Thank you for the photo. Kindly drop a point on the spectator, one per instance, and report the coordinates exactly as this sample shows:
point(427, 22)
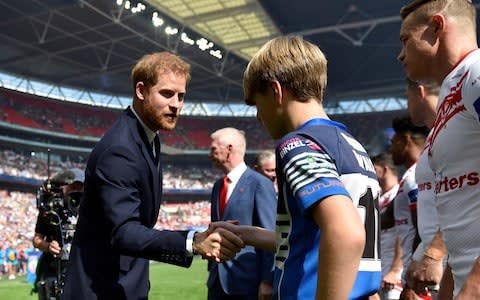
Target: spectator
point(248, 197)
point(265, 165)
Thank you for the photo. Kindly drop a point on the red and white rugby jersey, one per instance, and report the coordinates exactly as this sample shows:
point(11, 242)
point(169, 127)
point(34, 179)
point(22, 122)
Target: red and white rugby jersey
point(453, 148)
point(427, 216)
point(387, 197)
point(405, 199)
point(387, 236)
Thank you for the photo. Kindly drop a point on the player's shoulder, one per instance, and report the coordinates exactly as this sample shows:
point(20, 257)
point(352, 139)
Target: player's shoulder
point(472, 81)
point(296, 143)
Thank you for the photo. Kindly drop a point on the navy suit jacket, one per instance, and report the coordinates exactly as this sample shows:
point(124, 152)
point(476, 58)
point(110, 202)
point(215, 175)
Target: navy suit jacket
point(252, 202)
point(114, 239)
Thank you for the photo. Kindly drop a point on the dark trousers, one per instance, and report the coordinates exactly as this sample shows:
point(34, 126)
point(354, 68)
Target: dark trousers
point(216, 293)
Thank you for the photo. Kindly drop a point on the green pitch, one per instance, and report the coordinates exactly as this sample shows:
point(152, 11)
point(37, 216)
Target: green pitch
point(167, 283)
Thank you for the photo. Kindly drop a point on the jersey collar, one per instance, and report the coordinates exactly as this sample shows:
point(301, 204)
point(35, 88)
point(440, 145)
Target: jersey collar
point(321, 121)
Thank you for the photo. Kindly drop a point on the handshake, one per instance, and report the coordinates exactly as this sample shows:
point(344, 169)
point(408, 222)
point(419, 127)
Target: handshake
point(223, 240)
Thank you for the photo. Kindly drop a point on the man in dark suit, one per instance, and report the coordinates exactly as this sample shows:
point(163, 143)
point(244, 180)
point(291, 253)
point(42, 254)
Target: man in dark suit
point(248, 197)
point(115, 239)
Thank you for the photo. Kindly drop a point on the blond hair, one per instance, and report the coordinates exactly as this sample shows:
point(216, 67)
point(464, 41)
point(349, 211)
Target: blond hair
point(297, 64)
point(150, 66)
point(461, 10)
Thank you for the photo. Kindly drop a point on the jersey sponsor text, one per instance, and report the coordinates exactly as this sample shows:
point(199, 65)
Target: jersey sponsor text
point(453, 183)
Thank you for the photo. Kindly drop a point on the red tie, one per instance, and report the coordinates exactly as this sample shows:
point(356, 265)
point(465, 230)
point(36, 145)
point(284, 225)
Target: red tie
point(223, 196)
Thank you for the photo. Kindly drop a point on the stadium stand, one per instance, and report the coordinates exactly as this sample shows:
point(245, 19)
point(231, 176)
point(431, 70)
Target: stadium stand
point(192, 133)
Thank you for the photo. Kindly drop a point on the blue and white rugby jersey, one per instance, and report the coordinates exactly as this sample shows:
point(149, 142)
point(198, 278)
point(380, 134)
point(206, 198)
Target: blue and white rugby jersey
point(318, 160)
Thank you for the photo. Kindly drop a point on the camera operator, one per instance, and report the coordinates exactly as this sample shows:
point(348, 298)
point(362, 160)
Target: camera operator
point(67, 186)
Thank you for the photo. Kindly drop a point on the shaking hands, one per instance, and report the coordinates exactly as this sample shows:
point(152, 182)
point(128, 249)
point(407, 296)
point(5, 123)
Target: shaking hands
point(223, 240)
point(218, 243)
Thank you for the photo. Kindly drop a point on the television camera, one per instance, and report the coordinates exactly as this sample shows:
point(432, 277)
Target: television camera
point(58, 201)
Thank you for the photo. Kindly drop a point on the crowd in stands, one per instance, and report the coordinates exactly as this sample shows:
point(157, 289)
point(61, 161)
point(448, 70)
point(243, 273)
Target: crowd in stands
point(43, 113)
point(17, 164)
point(184, 215)
point(191, 177)
point(18, 214)
point(192, 132)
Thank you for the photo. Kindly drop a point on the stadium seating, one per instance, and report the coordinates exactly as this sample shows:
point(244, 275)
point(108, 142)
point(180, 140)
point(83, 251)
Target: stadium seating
point(192, 132)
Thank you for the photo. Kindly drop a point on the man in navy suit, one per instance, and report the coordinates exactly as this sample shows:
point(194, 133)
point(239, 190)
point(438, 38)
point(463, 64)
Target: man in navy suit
point(114, 238)
point(249, 198)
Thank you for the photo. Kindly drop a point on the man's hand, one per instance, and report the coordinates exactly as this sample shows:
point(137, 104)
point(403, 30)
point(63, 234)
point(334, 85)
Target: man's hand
point(54, 248)
point(425, 273)
point(265, 290)
point(391, 279)
point(409, 294)
point(217, 244)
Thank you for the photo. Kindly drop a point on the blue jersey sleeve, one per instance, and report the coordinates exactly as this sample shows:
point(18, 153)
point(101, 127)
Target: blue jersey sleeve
point(310, 173)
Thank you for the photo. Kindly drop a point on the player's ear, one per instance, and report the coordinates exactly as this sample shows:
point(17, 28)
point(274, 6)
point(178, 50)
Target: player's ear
point(438, 23)
point(277, 91)
point(421, 90)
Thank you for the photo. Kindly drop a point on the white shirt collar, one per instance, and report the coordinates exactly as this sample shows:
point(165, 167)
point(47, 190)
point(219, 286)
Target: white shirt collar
point(150, 134)
point(235, 174)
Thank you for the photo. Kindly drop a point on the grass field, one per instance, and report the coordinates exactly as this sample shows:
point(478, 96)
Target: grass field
point(167, 283)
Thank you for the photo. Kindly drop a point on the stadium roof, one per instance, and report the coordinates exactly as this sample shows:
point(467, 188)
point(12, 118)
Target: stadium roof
point(93, 44)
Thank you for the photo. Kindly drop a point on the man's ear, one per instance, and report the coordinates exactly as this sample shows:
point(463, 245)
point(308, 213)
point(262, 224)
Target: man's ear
point(140, 90)
point(438, 23)
point(277, 91)
point(421, 90)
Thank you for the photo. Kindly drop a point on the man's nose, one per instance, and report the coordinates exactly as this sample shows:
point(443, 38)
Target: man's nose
point(176, 102)
point(401, 56)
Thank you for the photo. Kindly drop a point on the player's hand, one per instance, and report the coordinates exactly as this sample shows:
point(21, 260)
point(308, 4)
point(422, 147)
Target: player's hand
point(217, 244)
point(230, 225)
point(390, 280)
point(425, 273)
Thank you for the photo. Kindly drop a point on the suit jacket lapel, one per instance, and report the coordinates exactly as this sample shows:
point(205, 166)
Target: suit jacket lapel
point(141, 139)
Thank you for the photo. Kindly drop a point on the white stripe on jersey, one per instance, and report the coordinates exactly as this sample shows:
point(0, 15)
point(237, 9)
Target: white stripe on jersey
point(324, 160)
point(353, 142)
point(356, 190)
point(301, 170)
point(370, 265)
